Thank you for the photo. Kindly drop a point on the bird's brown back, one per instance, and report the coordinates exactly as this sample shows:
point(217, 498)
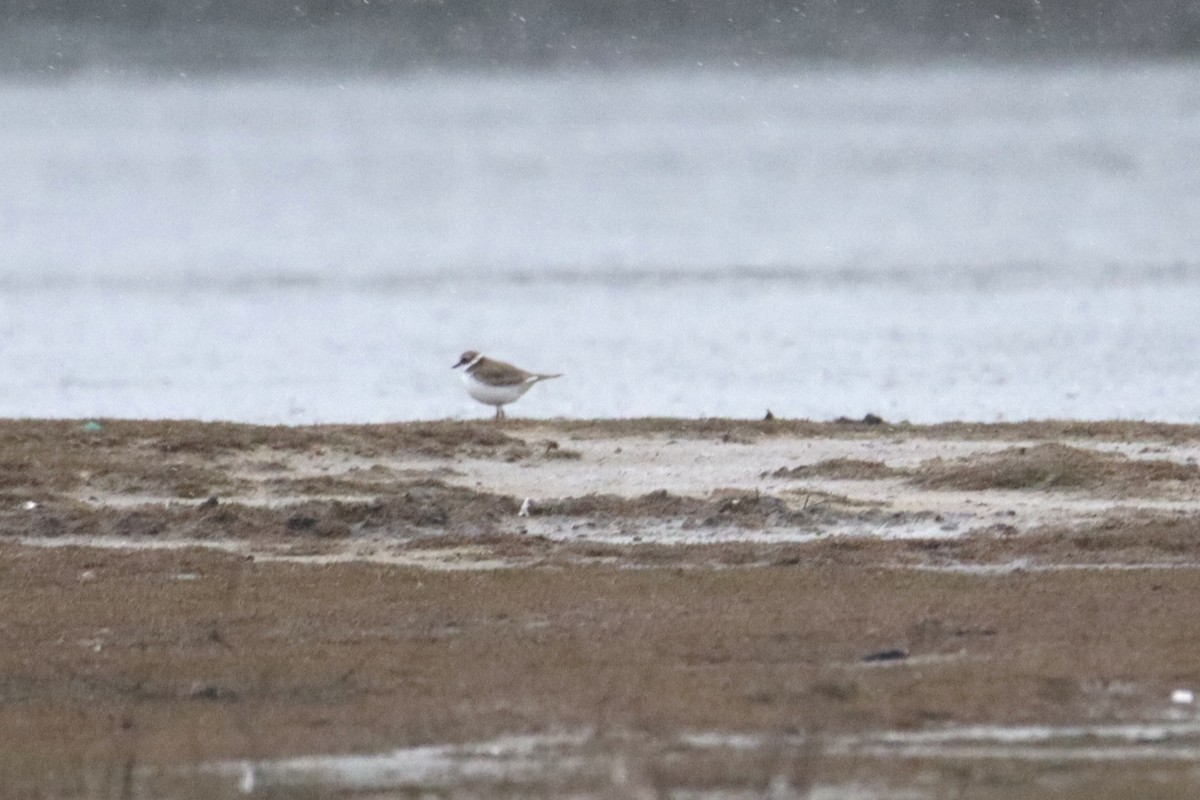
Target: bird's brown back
point(499, 373)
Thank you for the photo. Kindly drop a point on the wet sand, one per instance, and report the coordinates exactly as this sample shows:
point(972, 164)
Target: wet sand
point(659, 608)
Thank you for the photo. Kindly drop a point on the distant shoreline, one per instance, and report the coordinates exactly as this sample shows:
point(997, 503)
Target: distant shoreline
point(409, 37)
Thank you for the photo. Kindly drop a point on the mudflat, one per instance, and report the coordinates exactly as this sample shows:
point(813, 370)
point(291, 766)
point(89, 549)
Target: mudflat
point(627, 608)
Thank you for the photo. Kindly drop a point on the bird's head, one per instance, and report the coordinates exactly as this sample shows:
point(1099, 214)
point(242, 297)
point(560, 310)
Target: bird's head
point(466, 358)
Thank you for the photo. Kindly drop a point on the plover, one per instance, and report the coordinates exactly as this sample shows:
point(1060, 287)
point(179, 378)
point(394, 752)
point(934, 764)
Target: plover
point(496, 383)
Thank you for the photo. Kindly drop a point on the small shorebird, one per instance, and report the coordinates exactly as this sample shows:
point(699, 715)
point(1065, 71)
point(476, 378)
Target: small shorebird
point(496, 383)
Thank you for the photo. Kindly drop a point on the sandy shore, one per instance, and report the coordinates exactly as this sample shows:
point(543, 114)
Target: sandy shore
point(609, 608)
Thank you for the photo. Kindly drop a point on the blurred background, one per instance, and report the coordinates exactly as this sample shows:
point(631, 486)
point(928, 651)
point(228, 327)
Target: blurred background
point(304, 211)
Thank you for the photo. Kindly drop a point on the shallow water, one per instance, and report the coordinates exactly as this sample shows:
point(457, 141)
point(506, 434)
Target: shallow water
point(919, 243)
point(534, 760)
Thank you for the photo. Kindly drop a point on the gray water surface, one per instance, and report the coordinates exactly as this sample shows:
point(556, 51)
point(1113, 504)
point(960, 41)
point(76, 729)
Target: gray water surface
point(923, 243)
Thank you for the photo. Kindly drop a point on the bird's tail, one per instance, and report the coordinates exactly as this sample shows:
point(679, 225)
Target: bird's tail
point(537, 378)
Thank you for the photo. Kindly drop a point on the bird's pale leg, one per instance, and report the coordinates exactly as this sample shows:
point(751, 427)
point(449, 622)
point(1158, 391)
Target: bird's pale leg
point(499, 413)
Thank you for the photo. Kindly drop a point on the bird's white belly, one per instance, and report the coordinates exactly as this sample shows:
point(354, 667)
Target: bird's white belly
point(494, 395)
